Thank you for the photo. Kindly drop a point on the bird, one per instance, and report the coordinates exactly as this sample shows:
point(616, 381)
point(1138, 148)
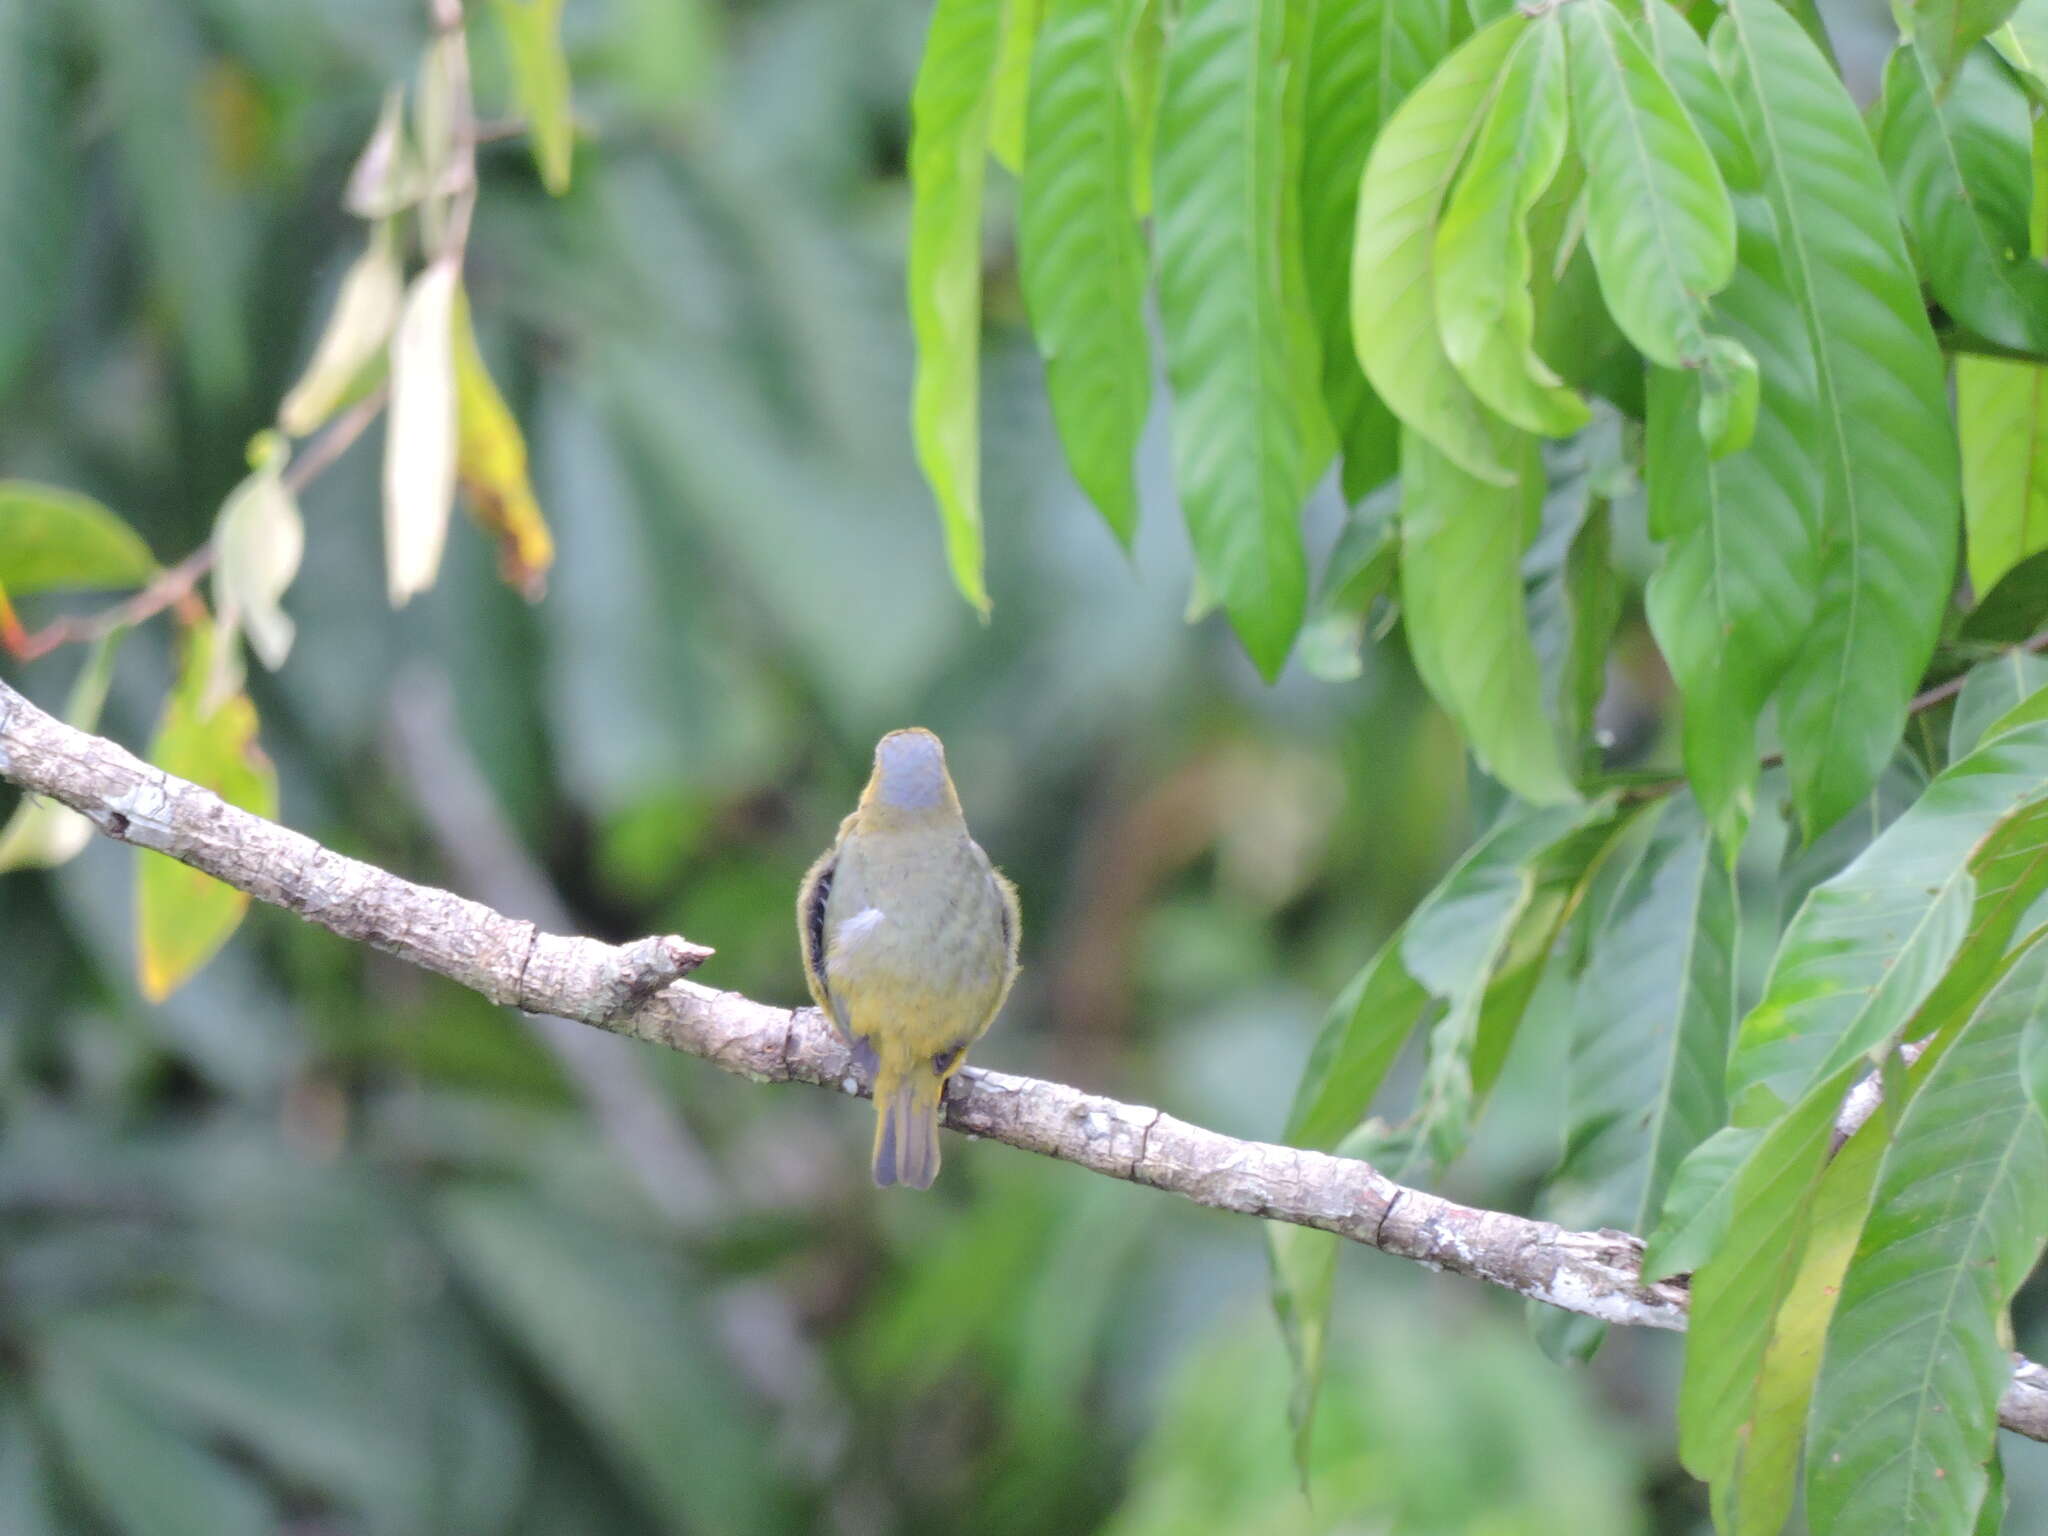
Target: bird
point(909, 939)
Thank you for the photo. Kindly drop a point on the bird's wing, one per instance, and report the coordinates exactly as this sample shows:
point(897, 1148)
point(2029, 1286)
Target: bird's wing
point(810, 925)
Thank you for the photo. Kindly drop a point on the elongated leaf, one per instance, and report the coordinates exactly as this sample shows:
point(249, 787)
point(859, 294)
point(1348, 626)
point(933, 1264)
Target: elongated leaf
point(1408, 179)
point(948, 152)
point(258, 538)
point(1681, 56)
point(1868, 947)
point(1463, 608)
point(1907, 1412)
point(540, 83)
point(1016, 70)
point(1361, 570)
point(420, 444)
point(1485, 311)
point(1737, 588)
point(1363, 1032)
point(1481, 943)
point(1655, 1013)
point(490, 465)
point(2023, 43)
point(612, 1329)
point(1959, 166)
point(35, 177)
point(144, 1475)
point(53, 539)
point(1082, 257)
point(1889, 456)
point(351, 349)
point(2002, 416)
point(1946, 31)
point(182, 917)
point(1364, 59)
point(1991, 691)
point(1659, 223)
point(1243, 450)
point(42, 834)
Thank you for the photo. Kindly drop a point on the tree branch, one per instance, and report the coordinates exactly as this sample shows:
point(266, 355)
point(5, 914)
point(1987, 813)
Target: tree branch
point(1596, 1274)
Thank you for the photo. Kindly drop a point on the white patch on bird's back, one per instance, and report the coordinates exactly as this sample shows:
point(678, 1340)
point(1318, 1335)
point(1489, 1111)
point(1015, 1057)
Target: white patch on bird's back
point(856, 928)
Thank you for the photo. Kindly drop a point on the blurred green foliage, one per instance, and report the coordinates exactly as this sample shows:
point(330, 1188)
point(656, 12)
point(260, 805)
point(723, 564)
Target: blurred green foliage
point(323, 1244)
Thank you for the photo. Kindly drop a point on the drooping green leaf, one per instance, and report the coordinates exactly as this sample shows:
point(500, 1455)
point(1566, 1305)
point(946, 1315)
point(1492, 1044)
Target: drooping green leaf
point(2023, 43)
point(1363, 1032)
point(1888, 541)
point(1083, 261)
point(1243, 442)
point(1573, 613)
point(42, 834)
point(1946, 31)
point(1303, 1266)
point(949, 110)
point(1144, 55)
point(1017, 63)
point(1486, 314)
point(1361, 570)
point(1991, 691)
point(1681, 55)
point(1659, 223)
point(540, 84)
point(145, 1476)
point(258, 538)
point(53, 539)
point(1736, 590)
point(1906, 1416)
point(183, 917)
point(35, 177)
point(1698, 1203)
point(1464, 612)
point(2002, 418)
point(1654, 1015)
point(614, 1331)
point(351, 351)
point(1481, 943)
point(1364, 59)
point(1960, 168)
point(1408, 179)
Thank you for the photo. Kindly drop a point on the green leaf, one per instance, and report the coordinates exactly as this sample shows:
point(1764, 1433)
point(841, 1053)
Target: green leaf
point(1946, 31)
point(42, 834)
point(1361, 570)
point(611, 1328)
point(1303, 1266)
point(2012, 612)
point(1681, 56)
point(1243, 443)
point(1655, 1012)
point(1888, 543)
point(53, 540)
point(1364, 59)
point(1017, 63)
point(2023, 43)
point(540, 84)
point(1732, 599)
point(1960, 168)
point(1408, 180)
point(1868, 948)
point(1463, 608)
point(1906, 1416)
point(1992, 690)
point(1144, 53)
point(1485, 311)
point(1082, 257)
point(183, 917)
point(949, 110)
point(351, 351)
point(146, 1477)
point(1574, 594)
point(1481, 942)
point(1736, 1298)
point(1658, 220)
point(1362, 1034)
point(37, 178)
point(258, 538)
point(2002, 418)
point(1698, 1203)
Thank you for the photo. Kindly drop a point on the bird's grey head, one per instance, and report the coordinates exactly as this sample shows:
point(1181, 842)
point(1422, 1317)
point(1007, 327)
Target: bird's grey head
point(910, 771)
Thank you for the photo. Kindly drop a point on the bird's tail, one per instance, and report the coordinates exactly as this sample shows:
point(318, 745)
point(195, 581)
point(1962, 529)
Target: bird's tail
point(907, 1127)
